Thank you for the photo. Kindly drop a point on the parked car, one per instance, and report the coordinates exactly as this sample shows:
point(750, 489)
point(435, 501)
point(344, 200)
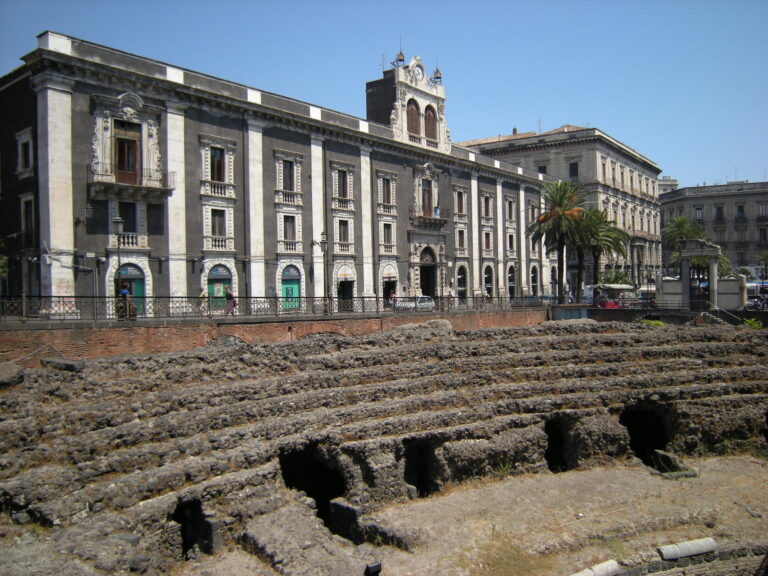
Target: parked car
point(414, 303)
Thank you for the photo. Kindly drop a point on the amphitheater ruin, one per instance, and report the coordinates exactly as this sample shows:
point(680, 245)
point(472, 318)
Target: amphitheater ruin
point(294, 454)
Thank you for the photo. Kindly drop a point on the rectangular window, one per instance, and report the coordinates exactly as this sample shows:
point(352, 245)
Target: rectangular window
point(573, 169)
point(542, 169)
point(218, 223)
point(343, 183)
point(426, 197)
point(718, 213)
point(127, 160)
point(27, 223)
point(26, 155)
point(343, 230)
point(289, 227)
point(511, 242)
point(460, 203)
point(699, 214)
point(486, 206)
point(127, 212)
point(386, 191)
point(487, 240)
point(388, 234)
point(218, 173)
point(604, 176)
point(739, 210)
point(462, 239)
point(762, 210)
point(511, 210)
point(763, 235)
point(288, 176)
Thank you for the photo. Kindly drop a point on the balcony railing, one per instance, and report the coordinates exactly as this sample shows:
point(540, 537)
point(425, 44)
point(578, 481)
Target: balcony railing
point(129, 241)
point(343, 203)
point(289, 246)
point(289, 197)
point(388, 209)
point(218, 189)
point(219, 243)
point(106, 173)
point(344, 247)
point(388, 249)
point(431, 143)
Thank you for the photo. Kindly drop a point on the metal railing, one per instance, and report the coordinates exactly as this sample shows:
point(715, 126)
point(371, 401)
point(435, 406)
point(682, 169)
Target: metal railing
point(85, 308)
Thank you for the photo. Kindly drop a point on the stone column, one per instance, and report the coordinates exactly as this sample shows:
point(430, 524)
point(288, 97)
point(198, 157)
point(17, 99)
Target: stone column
point(501, 275)
point(713, 284)
point(55, 188)
point(685, 282)
point(318, 216)
point(522, 244)
point(177, 211)
point(256, 248)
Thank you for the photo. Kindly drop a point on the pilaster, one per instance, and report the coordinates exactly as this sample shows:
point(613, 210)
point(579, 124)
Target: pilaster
point(256, 249)
point(177, 212)
point(501, 276)
point(522, 244)
point(367, 203)
point(477, 236)
point(55, 187)
point(318, 215)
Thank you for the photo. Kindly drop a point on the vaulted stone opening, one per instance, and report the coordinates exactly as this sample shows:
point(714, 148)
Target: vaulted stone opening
point(421, 467)
point(647, 428)
point(555, 454)
point(198, 533)
point(309, 470)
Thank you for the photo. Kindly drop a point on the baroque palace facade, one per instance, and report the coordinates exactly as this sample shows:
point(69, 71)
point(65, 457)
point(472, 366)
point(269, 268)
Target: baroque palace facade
point(615, 179)
point(118, 168)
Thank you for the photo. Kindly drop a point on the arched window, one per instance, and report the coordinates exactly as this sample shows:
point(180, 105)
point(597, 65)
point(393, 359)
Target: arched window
point(414, 121)
point(430, 123)
point(534, 281)
point(488, 280)
point(461, 283)
point(511, 288)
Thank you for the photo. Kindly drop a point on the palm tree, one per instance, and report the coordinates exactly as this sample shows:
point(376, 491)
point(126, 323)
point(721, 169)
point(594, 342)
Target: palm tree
point(557, 224)
point(606, 238)
point(680, 228)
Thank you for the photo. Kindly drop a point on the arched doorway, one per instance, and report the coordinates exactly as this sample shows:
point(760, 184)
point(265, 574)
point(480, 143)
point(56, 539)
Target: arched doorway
point(511, 285)
point(428, 272)
point(388, 283)
point(290, 288)
point(345, 287)
point(534, 281)
point(219, 279)
point(131, 277)
point(461, 283)
point(488, 281)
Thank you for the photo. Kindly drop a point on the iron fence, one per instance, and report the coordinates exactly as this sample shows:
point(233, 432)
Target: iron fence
point(72, 308)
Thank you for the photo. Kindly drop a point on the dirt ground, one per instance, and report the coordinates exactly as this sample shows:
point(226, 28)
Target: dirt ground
point(570, 521)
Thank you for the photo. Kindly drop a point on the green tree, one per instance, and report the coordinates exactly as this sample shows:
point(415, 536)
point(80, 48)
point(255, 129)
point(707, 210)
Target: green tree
point(680, 228)
point(557, 224)
point(605, 238)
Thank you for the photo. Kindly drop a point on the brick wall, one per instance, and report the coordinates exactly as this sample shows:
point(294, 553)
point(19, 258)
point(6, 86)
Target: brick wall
point(26, 344)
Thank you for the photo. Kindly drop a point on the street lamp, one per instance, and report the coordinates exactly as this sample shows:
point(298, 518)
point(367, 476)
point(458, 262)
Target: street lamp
point(118, 223)
point(323, 245)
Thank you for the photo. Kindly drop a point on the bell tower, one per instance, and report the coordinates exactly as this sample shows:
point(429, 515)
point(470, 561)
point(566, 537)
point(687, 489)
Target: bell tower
point(411, 103)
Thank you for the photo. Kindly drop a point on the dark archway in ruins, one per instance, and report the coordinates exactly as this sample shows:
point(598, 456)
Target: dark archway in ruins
point(195, 529)
point(308, 470)
point(555, 452)
point(421, 467)
point(647, 433)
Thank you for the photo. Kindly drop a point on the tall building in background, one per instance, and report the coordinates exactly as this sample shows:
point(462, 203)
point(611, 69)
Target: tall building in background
point(733, 215)
point(117, 168)
point(616, 179)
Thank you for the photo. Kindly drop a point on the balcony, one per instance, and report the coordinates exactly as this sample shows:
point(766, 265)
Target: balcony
point(289, 197)
point(289, 247)
point(217, 189)
point(487, 221)
point(434, 218)
point(461, 252)
point(105, 181)
point(432, 143)
point(218, 244)
point(415, 139)
point(343, 248)
point(460, 217)
point(129, 241)
point(347, 204)
point(388, 249)
point(388, 209)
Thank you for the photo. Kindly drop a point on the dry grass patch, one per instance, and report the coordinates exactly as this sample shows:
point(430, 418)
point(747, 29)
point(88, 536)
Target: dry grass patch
point(500, 556)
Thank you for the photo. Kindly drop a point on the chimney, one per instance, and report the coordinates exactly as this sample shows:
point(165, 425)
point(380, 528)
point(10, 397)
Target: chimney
point(514, 131)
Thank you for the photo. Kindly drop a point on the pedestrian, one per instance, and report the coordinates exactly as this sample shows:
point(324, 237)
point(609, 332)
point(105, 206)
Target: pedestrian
point(231, 302)
point(124, 303)
point(203, 303)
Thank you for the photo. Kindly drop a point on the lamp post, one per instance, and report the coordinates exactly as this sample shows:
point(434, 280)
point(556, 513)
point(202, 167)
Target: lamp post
point(118, 223)
point(323, 245)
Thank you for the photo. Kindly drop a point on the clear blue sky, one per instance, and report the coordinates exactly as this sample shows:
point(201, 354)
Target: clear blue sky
point(683, 82)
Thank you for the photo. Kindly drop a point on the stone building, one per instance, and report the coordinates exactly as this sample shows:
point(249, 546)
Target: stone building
point(616, 179)
point(117, 168)
point(733, 215)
